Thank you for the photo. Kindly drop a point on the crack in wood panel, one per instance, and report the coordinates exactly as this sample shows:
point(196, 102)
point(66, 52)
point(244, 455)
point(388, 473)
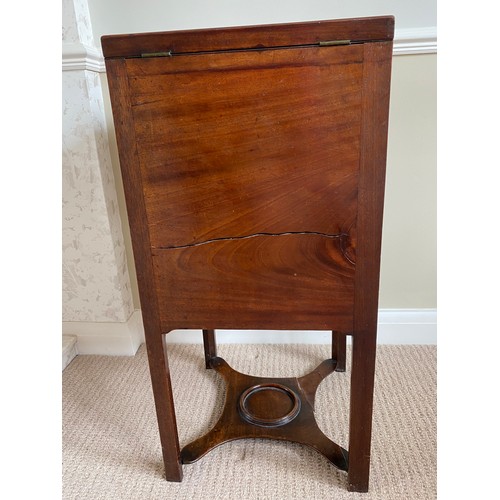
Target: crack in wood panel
point(255, 235)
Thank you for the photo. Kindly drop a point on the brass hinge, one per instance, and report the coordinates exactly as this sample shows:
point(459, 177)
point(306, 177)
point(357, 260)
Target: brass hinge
point(157, 54)
point(334, 42)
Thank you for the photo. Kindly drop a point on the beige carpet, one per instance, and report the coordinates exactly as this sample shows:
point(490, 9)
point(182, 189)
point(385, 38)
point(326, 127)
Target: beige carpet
point(111, 447)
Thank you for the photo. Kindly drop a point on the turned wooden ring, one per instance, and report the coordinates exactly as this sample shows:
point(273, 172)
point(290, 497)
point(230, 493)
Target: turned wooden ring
point(252, 404)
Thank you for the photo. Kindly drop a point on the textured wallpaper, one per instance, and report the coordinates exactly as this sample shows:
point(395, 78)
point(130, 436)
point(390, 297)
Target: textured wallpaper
point(76, 25)
point(96, 284)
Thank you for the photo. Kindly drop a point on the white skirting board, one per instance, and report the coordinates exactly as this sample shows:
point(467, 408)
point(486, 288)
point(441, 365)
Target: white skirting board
point(395, 326)
point(112, 339)
point(69, 350)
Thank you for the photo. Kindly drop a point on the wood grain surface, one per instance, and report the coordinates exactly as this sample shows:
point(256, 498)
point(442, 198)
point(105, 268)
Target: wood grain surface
point(293, 281)
point(155, 340)
point(298, 426)
point(249, 37)
point(265, 142)
point(376, 90)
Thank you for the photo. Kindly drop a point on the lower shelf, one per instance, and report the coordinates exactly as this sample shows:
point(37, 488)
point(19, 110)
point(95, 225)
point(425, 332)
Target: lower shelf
point(272, 408)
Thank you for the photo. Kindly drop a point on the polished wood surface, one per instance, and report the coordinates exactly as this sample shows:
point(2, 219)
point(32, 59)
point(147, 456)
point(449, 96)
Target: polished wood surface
point(270, 408)
point(376, 88)
point(215, 146)
point(263, 236)
point(294, 281)
point(253, 162)
point(157, 355)
point(210, 346)
point(339, 350)
point(249, 37)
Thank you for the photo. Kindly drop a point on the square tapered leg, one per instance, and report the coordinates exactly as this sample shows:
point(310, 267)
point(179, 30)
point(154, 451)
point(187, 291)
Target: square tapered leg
point(339, 350)
point(360, 422)
point(210, 346)
point(164, 402)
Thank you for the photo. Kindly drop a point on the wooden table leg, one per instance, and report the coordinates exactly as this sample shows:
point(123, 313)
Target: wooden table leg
point(360, 422)
point(164, 402)
point(338, 350)
point(210, 346)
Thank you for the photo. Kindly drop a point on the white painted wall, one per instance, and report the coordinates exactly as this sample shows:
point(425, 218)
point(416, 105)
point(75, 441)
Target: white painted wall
point(408, 267)
point(129, 16)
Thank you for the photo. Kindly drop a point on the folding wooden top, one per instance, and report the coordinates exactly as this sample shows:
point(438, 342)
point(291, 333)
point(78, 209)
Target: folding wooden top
point(249, 37)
